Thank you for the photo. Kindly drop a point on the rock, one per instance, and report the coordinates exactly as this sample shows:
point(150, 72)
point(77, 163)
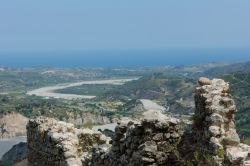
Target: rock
point(231, 138)
point(12, 124)
point(147, 160)
point(216, 119)
point(107, 133)
point(158, 137)
point(149, 148)
point(165, 147)
point(238, 154)
point(161, 157)
point(204, 81)
point(215, 130)
point(215, 143)
point(167, 135)
point(87, 117)
point(175, 135)
point(226, 89)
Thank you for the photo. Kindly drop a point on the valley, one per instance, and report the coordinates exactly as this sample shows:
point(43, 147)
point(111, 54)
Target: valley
point(54, 91)
point(99, 98)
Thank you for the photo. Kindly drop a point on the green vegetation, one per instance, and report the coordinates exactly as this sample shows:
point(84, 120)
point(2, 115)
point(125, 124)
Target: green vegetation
point(240, 90)
point(88, 125)
point(20, 80)
point(15, 82)
point(32, 106)
point(220, 153)
point(172, 92)
point(93, 89)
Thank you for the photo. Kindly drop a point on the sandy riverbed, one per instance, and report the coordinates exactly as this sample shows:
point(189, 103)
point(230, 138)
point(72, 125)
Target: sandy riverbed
point(49, 91)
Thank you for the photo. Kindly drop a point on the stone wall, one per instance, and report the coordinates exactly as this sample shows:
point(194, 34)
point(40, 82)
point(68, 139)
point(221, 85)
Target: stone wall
point(214, 124)
point(53, 143)
point(148, 142)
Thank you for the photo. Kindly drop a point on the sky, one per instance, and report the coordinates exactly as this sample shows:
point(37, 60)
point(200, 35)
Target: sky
point(63, 25)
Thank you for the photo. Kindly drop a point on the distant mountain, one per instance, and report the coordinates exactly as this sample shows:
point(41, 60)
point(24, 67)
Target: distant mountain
point(231, 68)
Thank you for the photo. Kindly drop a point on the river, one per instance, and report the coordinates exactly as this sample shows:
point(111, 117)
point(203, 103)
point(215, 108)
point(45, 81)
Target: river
point(49, 91)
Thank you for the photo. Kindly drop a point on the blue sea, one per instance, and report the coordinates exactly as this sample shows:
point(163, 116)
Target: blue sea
point(121, 58)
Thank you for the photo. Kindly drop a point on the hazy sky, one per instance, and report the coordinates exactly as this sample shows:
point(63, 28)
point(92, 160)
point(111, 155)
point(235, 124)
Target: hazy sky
point(45, 25)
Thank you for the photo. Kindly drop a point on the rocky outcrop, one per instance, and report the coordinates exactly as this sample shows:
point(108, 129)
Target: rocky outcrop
point(52, 142)
point(142, 105)
point(134, 105)
point(214, 124)
point(87, 117)
point(12, 124)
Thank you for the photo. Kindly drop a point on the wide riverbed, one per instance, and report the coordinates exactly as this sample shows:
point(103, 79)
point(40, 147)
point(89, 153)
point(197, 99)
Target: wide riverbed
point(49, 91)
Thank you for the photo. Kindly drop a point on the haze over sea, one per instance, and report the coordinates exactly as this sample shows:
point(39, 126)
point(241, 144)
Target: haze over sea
point(122, 58)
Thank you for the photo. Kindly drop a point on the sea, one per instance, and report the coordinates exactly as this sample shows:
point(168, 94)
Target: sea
point(121, 58)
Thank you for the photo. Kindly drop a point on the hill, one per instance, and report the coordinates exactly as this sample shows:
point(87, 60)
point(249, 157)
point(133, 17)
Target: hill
point(240, 89)
point(174, 93)
point(230, 68)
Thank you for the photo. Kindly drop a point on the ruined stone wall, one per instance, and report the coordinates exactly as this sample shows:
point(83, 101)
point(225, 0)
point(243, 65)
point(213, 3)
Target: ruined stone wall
point(214, 114)
point(149, 142)
point(53, 143)
point(214, 123)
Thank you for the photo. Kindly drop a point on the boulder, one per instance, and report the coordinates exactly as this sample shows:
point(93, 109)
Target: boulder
point(204, 81)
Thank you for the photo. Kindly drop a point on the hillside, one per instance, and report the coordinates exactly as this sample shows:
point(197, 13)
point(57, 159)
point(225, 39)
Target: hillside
point(240, 89)
point(173, 93)
point(230, 68)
